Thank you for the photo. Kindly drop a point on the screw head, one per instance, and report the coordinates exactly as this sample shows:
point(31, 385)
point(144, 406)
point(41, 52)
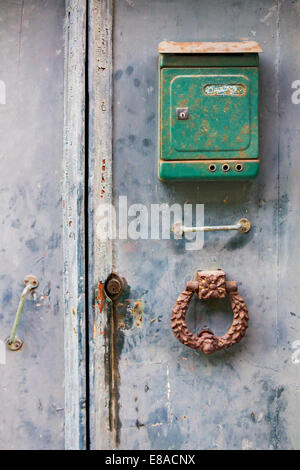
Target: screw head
point(16, 345)
point(177, 229)
point(245, 225)
point(33, 280)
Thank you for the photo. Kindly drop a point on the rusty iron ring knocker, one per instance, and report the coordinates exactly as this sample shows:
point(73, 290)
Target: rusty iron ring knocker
point(210, 285)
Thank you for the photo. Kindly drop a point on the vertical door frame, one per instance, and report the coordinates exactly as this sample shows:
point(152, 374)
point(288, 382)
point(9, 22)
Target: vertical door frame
point(87, 197)
point(100, 251)
point(73, 202)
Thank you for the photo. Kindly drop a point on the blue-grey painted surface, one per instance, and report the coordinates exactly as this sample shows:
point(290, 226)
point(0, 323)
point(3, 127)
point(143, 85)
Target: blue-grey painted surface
point(73, 189)
point(165, 395)
point(31, 135)
point(100, 253)
point(170, 397)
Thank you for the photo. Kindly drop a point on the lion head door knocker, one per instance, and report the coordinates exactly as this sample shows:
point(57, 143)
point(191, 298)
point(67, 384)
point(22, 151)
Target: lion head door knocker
point(210, 285)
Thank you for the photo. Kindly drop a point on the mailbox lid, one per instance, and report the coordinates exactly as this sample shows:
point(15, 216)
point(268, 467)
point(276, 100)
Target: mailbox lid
point(233, 47)
point(222, 108)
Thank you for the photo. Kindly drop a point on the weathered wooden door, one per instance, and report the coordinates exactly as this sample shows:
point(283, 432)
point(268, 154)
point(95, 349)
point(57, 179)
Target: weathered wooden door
point(147, 390)
point(129, 383)
point(31, 135)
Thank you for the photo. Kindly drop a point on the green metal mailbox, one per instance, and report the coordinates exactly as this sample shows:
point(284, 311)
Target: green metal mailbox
point(208, 110)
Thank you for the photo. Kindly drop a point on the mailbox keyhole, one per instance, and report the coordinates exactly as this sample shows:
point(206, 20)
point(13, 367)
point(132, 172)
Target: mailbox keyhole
point(182, 113)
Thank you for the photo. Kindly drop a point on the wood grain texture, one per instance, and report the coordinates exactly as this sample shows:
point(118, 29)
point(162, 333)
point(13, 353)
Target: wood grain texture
point(73, 225)
point(102, 376)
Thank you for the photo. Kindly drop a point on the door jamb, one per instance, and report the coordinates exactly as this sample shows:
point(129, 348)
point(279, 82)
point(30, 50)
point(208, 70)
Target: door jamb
point(73, 203)
point(100, 250)
point(86, 195)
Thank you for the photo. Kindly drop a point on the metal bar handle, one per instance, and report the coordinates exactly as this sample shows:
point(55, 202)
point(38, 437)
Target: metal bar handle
point(243, 226)
point(13, 343)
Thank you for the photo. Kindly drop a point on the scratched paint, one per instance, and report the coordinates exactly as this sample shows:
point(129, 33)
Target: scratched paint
point(137, 312)
point(235, 90)
point(215, 128)
point(32, 380)
point(100, 296)
point(246, 398)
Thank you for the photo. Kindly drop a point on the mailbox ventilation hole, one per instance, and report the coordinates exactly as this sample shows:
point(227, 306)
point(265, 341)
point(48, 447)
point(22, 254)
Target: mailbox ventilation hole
point(212, 167)
point(239, 167)
point(225, 167)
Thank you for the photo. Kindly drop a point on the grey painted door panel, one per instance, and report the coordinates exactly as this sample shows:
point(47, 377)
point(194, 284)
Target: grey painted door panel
point(170, 396)
point(31, 67)
point(165, 395)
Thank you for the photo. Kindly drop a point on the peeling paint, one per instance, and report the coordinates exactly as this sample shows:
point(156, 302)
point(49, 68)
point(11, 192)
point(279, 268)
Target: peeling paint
point(100, 296)
point(137, 312)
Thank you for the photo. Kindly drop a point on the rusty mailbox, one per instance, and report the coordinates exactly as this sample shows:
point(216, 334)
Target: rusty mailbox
point(208, 110)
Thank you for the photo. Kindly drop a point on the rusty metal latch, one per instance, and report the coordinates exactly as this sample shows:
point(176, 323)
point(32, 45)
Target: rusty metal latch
point(114, 286)
point(243, 226)
point(12, 342)
point(210, 285)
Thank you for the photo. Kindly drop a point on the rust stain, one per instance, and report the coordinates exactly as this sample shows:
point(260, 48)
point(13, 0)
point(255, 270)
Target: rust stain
point(137, 312)
point(227, 106)
point(120, 317)
point(102, 185)
point(112, 373)
point(100, 296)
point(245, 129)
point(97, 330)
point(242, 154)
point(114, 340)
point(129, 246)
